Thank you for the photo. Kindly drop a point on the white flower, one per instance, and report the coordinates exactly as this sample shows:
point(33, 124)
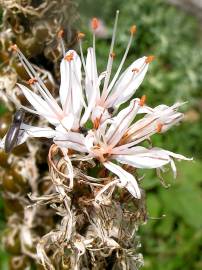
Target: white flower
point(64, 116)
point(116, 139)
point(120, 89)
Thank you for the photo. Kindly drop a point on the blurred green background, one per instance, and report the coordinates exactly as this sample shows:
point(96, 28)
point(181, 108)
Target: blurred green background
point(172, 242)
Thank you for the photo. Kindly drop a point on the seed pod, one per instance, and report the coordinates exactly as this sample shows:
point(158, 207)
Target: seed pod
point(3, 159)
point(19, 263)
point(4, 123)
point(8, 182)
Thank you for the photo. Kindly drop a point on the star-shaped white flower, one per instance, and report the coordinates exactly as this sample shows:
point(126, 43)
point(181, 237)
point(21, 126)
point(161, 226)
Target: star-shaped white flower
point(117, 138)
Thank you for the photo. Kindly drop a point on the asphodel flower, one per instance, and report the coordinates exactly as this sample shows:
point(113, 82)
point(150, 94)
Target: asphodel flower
point(117, 139)
point(63, 115)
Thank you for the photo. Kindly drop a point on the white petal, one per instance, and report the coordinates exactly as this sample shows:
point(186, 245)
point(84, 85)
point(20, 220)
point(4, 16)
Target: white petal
point(41, 106)
point(127, 180)
point(70, 86)
point(142, 129)
point(92, 98)
point(39, 132)
point(90, 140)
point(147, 126)
point(121, 122)
point(67, 122)
point(91, 75)
point(174, 155)
point(27, 131)
point(140, 157)
point(71, 140)
point(128, 83)
point(100, 113)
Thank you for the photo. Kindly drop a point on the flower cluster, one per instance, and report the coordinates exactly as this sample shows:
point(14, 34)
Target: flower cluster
point(95, 100)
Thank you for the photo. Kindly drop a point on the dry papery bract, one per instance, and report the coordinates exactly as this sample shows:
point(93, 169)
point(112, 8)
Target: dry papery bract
point(95, 232)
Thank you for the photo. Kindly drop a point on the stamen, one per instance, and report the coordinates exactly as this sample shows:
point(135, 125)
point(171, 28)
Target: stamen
point(95, 23)
point(39, 83)
point(32, 81)
point(29, 110)
point(96, 123)
point(80, 35)
point(69, 100)
point(110, 59)
point(149, 59)
point(81, 93)
point(60, 36)
point(69, 57)
point(33, 74)
point(142, 100)
point(61, 33)
point(14, 47)
point(113, 55)
point(133, 29)
point(159, 127)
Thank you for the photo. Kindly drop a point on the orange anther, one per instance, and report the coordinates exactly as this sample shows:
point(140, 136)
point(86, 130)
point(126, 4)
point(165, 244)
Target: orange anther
point(61, 33)
point(135, 70)
point(159, 127)
point(142, 100)
point(80, 35)
point(133, 29)
point(149, 59)
point(69, 57)
point(112, 55)
point(32, 81)
point(96, 123)
point(95, 23)
point(14, 47)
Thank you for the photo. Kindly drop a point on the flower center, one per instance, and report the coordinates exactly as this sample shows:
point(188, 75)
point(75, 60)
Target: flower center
point(101, 152)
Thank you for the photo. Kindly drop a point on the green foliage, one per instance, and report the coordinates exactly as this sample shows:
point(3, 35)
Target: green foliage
point(2, 109)
point(174, 241)
point(3, 254)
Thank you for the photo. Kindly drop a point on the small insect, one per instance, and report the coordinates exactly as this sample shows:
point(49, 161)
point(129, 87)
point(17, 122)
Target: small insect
point(83, 130)
point(13, 132)
point(110, 110)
